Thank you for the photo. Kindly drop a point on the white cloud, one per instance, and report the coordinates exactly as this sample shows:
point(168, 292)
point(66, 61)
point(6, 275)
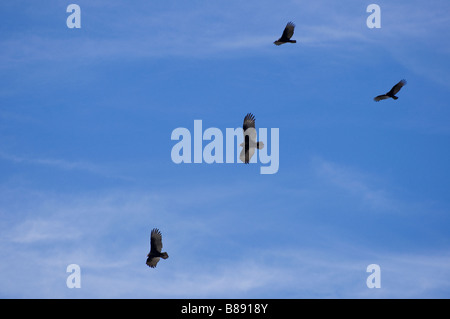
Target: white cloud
point(355, 183)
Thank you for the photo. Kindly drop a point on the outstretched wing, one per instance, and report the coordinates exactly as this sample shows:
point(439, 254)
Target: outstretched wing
point(249, 127)
point(152, 261)
point(288, 31)
point(380, 97)
point(246, 154)
point(249, 121)
point(155, 241)
point(397, 87)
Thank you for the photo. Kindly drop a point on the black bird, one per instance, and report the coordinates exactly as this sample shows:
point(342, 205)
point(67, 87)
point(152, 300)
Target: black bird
point(155, 249)
point(392, 92)
point(287, 34)
point(250, 143)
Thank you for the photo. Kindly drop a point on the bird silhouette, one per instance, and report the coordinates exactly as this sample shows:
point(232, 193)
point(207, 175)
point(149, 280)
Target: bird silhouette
point(155, 249)
point(391, 94)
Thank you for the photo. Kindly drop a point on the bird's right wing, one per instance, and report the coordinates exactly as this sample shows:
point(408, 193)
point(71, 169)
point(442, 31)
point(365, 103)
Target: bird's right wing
point(288, 31)
point(249, 127)
point(155, 240)
point(249, 121)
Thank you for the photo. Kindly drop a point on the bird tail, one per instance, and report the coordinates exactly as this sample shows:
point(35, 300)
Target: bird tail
point(394, 97)
point(164, 255)
point(293, 41)
point(260, 145)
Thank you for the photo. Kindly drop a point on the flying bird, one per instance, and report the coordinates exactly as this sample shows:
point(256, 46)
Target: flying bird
point(250, 143)
point(155, 248)
point(392, 92)
point(287, 34)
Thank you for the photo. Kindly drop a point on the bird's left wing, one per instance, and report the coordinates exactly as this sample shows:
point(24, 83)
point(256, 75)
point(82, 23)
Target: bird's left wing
point(397, 87)
point(246, 154)
point(380, 97)
point(152, 261)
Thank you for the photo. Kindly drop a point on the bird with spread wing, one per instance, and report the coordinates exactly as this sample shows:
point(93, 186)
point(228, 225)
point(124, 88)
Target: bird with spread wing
point(287, 34)
point(391, 94)
point(155, 249)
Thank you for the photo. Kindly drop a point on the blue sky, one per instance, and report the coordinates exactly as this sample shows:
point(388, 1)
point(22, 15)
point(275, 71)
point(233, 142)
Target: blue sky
point(86, 117)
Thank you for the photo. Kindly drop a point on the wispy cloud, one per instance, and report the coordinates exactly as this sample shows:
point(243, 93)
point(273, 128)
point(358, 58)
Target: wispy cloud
point(41, 230)
point(62, 164)
point(215, 28)
point(106, 233)
point(355, 183)
point(203, 30)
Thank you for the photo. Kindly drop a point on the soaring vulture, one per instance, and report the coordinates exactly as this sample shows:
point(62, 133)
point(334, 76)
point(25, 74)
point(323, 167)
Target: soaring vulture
point(392, 92)
point(155, 249)
point(250, 143)
point(287, 34)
